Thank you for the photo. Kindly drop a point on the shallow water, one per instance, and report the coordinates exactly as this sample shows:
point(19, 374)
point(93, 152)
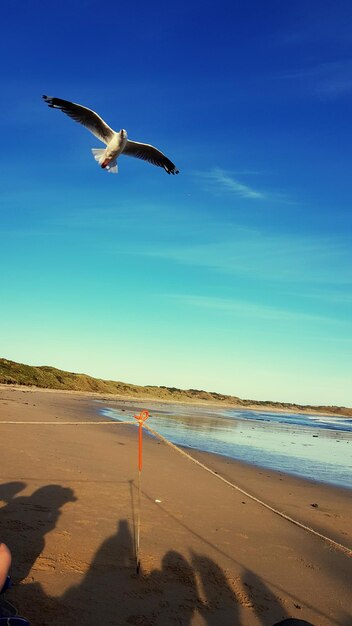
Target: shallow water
point(312, 446)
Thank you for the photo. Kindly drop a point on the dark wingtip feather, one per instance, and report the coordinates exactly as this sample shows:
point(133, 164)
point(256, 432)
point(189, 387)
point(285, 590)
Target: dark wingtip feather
point(171, 169)
point(48, 100)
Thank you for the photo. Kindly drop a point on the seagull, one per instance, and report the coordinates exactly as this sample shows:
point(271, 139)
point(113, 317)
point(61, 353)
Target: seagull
point(116, 142)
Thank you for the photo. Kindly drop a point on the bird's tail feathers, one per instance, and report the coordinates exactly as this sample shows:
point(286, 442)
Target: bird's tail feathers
point(99, 155)
point(112, 167)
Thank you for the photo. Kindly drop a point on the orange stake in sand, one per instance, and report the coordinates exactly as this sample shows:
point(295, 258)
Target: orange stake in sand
point(141, 418)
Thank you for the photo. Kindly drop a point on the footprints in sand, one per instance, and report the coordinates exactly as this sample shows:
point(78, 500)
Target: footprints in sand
point(307, 564)
point(18, 525)
point(44, 564)
point(62, 563)
point(242, 535)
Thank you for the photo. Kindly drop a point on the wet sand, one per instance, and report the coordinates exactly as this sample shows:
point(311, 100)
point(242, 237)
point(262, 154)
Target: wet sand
point(209, 555)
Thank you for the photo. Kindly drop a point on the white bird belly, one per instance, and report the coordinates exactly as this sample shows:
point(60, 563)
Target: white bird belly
point(115, 147)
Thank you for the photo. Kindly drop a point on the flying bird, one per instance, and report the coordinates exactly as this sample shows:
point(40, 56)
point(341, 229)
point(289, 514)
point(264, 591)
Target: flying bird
point(116, 142)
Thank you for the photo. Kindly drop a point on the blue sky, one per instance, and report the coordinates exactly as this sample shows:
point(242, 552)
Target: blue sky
point(234, 276)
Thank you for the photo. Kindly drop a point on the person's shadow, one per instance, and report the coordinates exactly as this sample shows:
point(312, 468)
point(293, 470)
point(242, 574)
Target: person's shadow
point(9, 490)
point(25, 520)
point(263, 598)
point(176, 583)
point(220, 604)
point(98, 597)
point(111, 592)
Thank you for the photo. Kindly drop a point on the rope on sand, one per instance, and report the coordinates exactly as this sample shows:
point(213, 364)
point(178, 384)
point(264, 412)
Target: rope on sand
point(58, 423)
point(335, 544)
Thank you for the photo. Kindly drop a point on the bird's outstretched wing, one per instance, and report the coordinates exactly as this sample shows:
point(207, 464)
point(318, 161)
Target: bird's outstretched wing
point(149, 153)
point(87, 117)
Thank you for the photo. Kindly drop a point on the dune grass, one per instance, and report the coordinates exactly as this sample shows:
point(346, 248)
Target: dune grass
point(47, 377)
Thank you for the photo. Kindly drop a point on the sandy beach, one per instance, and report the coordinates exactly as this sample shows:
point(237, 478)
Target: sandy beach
point(209, 555)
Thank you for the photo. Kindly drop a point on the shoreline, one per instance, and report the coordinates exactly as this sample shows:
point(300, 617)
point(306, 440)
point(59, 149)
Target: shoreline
point(209, 555)
point(256, 406)
point(263, 468)
point(131, 406)
point(230, 467)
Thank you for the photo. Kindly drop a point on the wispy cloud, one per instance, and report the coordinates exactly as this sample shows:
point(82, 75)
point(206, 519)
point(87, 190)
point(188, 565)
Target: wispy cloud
point(330, 79)
point(336, 297)
point(249, 309)
point(223, 180)
point(220, 181)
point(261, 256)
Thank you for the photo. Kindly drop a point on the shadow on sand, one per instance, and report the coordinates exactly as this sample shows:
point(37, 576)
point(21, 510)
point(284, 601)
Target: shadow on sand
point(111, 593)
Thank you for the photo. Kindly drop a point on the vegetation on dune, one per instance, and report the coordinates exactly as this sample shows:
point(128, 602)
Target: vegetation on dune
point(46, 377)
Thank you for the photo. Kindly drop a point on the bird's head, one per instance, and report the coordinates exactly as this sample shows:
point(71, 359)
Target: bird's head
point(123, 133)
